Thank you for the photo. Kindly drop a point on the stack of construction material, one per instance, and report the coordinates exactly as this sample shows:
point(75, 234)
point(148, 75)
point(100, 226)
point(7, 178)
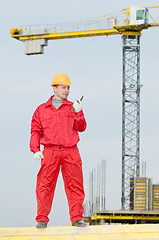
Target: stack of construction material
point(155, 197)
point(141, 194)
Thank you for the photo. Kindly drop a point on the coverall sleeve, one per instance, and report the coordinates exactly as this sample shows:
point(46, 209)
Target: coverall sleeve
point(80, 122)
point(36, 132)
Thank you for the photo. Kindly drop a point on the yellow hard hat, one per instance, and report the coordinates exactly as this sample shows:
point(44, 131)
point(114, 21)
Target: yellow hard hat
point(61, 78)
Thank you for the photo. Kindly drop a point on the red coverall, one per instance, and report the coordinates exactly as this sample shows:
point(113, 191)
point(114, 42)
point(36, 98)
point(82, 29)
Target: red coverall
point(57, 130)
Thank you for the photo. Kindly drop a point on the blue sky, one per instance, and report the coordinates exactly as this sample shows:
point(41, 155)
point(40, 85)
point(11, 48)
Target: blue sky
point(95, 69)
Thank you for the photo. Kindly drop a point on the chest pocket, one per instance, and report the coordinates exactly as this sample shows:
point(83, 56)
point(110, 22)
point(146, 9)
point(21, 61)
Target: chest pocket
point(47, 120)
point(70, 116)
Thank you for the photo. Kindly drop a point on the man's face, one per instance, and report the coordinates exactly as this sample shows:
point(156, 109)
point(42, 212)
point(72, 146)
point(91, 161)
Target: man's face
point(61, 92)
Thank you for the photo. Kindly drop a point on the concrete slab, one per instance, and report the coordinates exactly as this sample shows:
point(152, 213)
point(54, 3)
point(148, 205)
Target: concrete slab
point(98, 232)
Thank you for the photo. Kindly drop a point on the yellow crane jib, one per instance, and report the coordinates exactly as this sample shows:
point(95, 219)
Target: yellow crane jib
point(128, 21)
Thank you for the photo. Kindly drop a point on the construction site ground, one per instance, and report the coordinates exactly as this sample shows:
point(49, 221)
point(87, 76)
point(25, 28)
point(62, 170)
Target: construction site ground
point(102, 232)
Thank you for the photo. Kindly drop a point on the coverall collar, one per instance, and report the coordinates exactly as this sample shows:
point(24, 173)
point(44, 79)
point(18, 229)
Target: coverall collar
point(49, 103)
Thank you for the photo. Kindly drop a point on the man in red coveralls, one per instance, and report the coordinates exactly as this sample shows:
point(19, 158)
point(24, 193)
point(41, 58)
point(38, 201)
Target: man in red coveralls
point(55, 124)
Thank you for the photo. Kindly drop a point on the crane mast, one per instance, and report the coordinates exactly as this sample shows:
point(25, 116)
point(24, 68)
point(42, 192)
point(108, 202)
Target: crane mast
point(128, 23)
point(130, 115)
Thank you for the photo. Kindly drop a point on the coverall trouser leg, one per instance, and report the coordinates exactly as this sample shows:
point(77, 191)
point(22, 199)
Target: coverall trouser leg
point(71, 166)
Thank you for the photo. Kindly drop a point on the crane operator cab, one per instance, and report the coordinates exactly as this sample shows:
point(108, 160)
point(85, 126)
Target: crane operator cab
point(138, 16)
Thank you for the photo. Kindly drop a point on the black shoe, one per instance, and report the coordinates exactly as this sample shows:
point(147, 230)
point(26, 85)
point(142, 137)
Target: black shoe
point(41, 224)
point(79, 223)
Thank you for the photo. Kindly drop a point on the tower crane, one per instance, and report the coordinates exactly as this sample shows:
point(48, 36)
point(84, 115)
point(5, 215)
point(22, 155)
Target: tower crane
point(128, 23)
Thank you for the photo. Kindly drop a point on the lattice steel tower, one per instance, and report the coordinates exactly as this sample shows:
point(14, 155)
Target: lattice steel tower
point(130, 114)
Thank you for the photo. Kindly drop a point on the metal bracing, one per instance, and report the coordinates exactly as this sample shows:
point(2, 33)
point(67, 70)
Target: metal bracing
point(103, 192)
point(130, 114)
point(91, 196)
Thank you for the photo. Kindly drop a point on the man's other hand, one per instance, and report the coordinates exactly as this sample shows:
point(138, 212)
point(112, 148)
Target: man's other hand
point(38, 155)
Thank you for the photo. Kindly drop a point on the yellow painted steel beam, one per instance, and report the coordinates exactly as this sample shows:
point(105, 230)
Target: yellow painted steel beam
point(100, 232)
point(154, 25)
point(77, 34)
point(153, 218)
point(153, 7)
point(61, 35)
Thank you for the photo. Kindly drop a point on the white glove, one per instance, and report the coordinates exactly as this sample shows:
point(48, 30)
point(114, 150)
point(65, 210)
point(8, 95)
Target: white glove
point(77, 106)
point(38, 155)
